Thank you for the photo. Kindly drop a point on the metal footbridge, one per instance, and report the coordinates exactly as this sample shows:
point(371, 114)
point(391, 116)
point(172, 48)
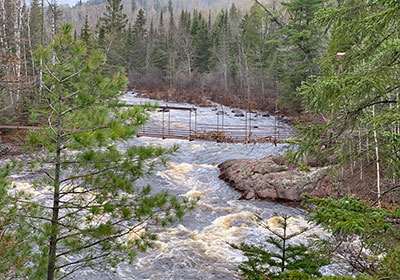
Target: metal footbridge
point(165, 126)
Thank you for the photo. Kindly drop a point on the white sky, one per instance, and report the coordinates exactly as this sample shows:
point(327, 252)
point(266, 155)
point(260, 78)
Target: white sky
point(70, 2)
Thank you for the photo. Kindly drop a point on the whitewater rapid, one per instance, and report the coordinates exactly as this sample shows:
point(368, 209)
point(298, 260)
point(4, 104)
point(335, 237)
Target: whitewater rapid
point(197, 247)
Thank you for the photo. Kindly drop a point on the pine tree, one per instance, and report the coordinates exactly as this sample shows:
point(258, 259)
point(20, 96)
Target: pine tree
point(111, 35)
point(114, 20)
point(172, 26)
point(98, 215)
point(357, 95)
point(15, 230)
point(139, 28)
point(265, 264)
point(85, 32)
point(158, 54)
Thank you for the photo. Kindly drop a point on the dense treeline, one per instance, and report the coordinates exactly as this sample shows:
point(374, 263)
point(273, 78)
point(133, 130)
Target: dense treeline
point(250, 59)
point(254, 59)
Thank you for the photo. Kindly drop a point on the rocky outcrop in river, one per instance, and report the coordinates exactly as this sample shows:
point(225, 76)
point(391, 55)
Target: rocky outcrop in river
point(272, 179)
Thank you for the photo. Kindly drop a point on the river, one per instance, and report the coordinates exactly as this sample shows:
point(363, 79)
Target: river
point(197, 246)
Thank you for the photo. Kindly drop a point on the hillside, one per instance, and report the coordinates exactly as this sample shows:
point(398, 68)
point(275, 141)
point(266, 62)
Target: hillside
point(96, 8)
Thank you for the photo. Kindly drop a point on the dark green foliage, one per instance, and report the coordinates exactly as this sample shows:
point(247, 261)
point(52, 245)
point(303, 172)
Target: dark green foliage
point(99, 216)
point(301, 43)
point(291, 259)
point(201, 42)
point(114, 20)
point(86, 35)
point(15, 248)
point(139, 28)
point(360, 105)
point(376, 230)
point(111, 36)
point(139, 48)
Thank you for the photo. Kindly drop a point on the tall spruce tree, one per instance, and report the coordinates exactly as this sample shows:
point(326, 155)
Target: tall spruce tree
point(302, 39)
point(86, 34)
point(96, 214)
point(112, 29)
point(201, 42)
point(35, 24)
point(114, 20)
point(139, 49)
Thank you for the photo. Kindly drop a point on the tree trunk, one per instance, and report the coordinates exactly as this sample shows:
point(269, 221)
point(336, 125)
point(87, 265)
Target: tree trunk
point(51, 268)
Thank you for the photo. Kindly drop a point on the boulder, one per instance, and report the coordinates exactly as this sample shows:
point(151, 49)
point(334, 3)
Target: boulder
point(270, 178)
point(238, 113)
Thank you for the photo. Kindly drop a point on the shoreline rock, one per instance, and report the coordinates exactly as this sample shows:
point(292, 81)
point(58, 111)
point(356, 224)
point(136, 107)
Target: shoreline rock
point(270, 178)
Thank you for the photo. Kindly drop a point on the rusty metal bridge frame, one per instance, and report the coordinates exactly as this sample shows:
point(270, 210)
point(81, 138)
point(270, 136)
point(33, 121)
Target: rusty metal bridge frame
point(220, 132)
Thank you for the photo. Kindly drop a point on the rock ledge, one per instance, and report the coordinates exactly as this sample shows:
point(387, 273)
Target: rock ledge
point(270, 178)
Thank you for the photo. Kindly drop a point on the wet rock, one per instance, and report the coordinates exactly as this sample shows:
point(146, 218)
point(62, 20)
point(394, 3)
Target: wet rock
point(266, 115)
point(249, 195)
point(270, 178)
point(238, 113)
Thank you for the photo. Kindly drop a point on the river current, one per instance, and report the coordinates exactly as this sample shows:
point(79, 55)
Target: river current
point(197, 246)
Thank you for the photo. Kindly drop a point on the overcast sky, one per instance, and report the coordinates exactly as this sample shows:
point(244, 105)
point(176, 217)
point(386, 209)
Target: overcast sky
point(70, 2)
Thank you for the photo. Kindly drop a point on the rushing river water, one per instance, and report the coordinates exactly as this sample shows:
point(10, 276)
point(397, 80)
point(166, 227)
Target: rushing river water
point(197, 246)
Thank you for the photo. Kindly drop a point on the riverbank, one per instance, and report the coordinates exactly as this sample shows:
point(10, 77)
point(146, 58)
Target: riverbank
point(202, 99)
point(272, 179)
point(11, 141)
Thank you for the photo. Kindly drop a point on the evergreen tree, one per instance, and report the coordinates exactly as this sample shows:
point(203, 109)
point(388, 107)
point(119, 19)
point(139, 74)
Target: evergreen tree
point(201, 42)
point(139, 28)
point(139, 49)
point(35, 24)
point(15, 237)
point(111, 35)
point(100, 35)
point(358, 95)
point(171, 17)
point(265, 264)
point(357, 227)
point(85, 32)
point(97, 214)
point(114, 20)
point(158, 55)
point(302, 42)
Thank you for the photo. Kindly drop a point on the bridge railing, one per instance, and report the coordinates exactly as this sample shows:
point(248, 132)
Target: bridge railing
point(227, 133)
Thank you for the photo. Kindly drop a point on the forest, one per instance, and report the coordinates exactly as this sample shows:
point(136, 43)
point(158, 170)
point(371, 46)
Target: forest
point(332, 66)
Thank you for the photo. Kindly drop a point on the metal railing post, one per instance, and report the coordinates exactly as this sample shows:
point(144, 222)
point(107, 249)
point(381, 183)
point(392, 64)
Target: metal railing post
point(190, 124)
point(163, 111)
